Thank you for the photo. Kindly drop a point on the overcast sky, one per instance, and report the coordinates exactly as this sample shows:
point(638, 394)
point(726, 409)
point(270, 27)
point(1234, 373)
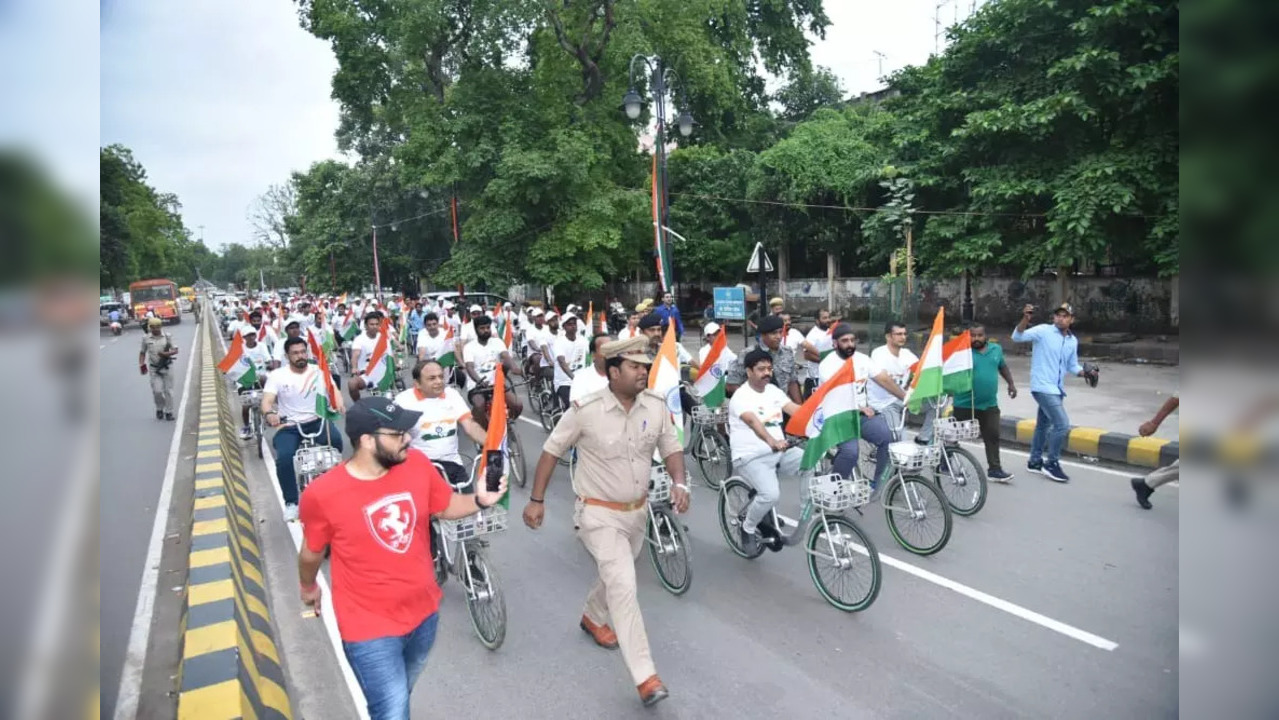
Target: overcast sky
point(220, 98)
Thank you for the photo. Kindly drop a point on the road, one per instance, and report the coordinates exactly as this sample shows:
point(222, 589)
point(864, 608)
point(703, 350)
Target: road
point(975, 631)
point(135, 448)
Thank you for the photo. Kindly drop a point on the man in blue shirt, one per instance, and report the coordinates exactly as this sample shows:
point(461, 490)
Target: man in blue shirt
point(1056, 354)
point(669, 313)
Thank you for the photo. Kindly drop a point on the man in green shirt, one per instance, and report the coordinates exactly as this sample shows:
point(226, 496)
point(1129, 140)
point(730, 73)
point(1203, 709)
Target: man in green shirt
point(983, 402)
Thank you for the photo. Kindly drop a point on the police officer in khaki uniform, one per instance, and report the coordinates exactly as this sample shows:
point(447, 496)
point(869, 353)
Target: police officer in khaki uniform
point(615, 431)
point(157, 353)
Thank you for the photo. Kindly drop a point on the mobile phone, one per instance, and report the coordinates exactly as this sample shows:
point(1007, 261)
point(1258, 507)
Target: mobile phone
point(493, 470)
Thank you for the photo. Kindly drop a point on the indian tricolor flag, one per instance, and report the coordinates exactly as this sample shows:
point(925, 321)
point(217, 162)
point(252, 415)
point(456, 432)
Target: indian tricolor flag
point(928, 379)
point(710, 377)
point(236, 365)
point(590, 321)
point(829, 417)
point(449, 357)
point(328, 403)
point(508, 332)
point(957, 365)
point(664, 378)
point(495, 439)
point(380, 372)
point(350, 325)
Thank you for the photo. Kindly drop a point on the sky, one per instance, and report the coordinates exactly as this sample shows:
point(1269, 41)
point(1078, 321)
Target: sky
point(219, 99)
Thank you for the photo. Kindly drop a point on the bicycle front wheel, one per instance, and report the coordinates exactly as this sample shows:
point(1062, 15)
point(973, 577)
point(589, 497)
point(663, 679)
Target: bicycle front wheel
point(734, 496)
point(962, 479)
point(715, 460)
point(484, 600)
point(843, 563)
point(669, 551)
point(918, 515)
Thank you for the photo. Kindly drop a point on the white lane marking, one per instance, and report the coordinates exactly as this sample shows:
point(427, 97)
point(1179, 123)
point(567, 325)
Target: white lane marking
point(102, 347)
point(126, 706)
point(327, 615)
point(531, 421)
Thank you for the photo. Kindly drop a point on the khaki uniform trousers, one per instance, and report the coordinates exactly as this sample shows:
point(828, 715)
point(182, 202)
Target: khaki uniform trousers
point(162, 390)
point(614, 539)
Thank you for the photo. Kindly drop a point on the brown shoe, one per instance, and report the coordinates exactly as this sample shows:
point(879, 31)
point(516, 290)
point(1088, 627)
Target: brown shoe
point(602, 634)
point(652, 691)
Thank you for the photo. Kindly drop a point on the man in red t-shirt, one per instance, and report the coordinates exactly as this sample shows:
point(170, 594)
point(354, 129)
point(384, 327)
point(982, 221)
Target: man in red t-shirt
point(374, 512)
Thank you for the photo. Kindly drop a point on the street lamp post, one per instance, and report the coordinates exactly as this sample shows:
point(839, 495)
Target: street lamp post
point(660, 83)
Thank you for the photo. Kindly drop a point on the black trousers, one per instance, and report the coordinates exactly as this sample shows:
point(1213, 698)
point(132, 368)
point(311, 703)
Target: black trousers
point(988, 421)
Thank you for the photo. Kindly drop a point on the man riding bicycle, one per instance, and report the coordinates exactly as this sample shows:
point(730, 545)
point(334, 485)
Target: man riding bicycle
point(361, 350)
point(482, 357)
point(756, 439)
point(874, 426)
point(257, 354)
point(570, 354)
point(443, 411)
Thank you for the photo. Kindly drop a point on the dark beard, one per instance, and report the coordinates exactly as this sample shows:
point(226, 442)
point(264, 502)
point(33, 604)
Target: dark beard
point(385, 459)
point(845, 355)
point(979, 345)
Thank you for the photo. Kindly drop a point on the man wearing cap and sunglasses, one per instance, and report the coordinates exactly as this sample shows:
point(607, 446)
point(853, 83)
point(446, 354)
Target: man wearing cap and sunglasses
point(615, 431)
point(1055, 355)
point(374, 512)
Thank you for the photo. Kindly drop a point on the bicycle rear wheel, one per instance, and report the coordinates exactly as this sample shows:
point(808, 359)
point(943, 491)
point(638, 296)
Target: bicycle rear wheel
point(734, 496)
point(516, 452)
point(669, 551)
point(484, 600)
point(715, 460)
point(962, 480)
point(846, 575)
point(918, 515)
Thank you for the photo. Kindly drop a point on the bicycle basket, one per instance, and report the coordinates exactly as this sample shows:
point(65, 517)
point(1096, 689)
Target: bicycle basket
point(909, 455)
point(952, 430)
point(315, 460)
point(709, 416)
point(251, 397)
point(834, 493)
point(659, 485)
point(483, 522)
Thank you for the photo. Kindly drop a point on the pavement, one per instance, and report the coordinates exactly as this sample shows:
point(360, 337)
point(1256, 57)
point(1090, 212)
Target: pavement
point(1054, 601)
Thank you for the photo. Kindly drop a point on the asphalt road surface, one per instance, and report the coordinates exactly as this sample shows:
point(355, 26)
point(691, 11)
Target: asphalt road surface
point(135, 448)
point(1054, 601)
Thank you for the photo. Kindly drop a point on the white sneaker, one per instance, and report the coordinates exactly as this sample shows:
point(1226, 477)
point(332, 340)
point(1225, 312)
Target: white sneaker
point(290, 512)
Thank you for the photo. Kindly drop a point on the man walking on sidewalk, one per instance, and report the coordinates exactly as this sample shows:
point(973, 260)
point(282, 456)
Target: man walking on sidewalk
point(1056, 354)
point(1145, 487)
point(983, 402)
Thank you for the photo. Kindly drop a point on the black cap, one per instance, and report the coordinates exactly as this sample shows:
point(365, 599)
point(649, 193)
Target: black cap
point(770, 323)
point(841, 330)
point(1064, 308)
point(377, 413)
point(650, 320)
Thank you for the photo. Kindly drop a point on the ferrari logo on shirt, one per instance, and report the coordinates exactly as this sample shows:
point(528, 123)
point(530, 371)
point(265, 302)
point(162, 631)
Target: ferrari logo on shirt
point(391, 520)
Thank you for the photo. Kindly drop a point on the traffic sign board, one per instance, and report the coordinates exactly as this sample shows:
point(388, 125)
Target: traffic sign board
point(756, 255)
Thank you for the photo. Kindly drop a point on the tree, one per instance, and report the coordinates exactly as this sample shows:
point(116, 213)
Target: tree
point(807, 91)
point(269, 212)
point(142, 234)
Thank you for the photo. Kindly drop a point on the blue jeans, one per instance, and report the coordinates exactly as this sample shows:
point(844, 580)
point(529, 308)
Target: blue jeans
point(387, 668)
point(1052, 427)
point(286, 443)
point(875, 431)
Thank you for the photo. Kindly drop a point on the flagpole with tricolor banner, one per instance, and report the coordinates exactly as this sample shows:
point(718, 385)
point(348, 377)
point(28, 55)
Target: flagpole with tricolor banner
point(380, 372)
point(328, 404)
point(664, 378)
point(957, 366)
point(659, 247)
point(829, 417)
point(495, 438)
point(710, 384)
point(927, 382)
point(237, 366)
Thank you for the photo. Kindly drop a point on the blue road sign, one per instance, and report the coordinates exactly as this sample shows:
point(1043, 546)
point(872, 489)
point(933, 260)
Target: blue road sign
point(730, 303)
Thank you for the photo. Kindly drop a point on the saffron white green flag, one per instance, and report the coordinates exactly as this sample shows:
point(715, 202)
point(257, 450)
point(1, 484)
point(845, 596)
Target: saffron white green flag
point(829, 417)
point(710, 377)
point(380, 372)
point(928, 375)
point(238, 366)
point(664, 378)
point(957, 365)
point(448, 358)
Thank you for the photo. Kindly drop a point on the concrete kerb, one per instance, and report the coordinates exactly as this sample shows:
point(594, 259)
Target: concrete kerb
point(230, 665)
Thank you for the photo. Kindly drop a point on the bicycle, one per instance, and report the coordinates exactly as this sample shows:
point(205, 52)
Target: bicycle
point(311, 460)
point(829, 537)
point(668, 547)
point(912, 502)
point(457, 547)
point(253, 397)
point(709, 445)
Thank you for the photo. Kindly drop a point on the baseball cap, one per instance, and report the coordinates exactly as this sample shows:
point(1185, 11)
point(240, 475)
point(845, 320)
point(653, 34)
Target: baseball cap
point(552, 315)
point(1064, 307)
point(568, 316)
point(632, 349)
point(448, 305)
point(370, 414)
point(476, 308)
point(772, 323)
point(535, 312)
point(711, 328)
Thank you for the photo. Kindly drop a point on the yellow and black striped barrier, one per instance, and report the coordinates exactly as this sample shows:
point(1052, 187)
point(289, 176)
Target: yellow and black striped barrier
point(230, 666)
point(1149, 452)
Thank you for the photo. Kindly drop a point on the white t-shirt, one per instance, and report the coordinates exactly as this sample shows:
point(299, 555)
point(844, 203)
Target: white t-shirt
point(485, 358)
point(585, 382)
point(468, 331)
point(627, 333)
point(574, 354)
point(533, 338)
point(897, 367)
point(432, 347)
point(259, 356)
point(863, 370)
point(821, 340)
point(295, 392)
point(549, 340)
point(725, 358)
point(277, 353)
point(794, 340)
point(362, 349)
point(767, 406)
point(454, 321)
point(437, 430)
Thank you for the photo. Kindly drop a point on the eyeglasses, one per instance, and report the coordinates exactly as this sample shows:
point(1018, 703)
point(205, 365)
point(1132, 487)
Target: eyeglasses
point(391, 433)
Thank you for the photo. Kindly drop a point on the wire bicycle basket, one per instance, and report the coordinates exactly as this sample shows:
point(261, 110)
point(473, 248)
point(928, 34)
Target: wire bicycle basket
point(489, 520)
point(659, 485)
point(951, 430)
point(703, 415)
point(909, 456)
point(833, 493)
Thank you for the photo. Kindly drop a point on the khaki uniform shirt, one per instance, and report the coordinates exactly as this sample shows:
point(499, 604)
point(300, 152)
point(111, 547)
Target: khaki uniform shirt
point(153, 346)
point(614, 447)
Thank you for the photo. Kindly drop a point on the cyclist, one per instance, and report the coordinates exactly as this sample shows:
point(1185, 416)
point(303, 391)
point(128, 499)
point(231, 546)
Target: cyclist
point(709, 333)
point(593, 378)
point(654, 328)
point(295, 388)
point(431, 343)
point(293, 329)
point(361, 348)
point(468, 329)
point(755, 437)
point(632, 328)
point(820, 344)
point(443, 412)
point(874, 426)
point(257, 354)
point(783, 365)
point(482, 356)
point(570, 354)
point(894, 358)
